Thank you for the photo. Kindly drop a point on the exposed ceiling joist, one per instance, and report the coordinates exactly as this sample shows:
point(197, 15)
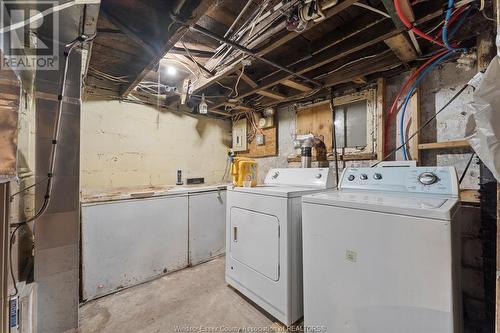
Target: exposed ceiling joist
point(274, 44)
point(408, 11)
point(296, 85)
point(271, 94)
point(402, 47)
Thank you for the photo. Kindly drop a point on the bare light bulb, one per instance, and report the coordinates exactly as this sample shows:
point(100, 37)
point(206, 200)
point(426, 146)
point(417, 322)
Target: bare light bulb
point(203, 105)
point(171, 71)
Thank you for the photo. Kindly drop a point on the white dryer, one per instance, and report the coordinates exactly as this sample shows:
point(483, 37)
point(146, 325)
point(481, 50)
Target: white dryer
point(381, 254)
point(264, 239)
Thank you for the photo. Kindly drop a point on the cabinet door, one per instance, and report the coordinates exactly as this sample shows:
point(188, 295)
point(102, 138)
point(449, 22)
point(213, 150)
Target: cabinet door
point(131, 241)
point(207, 223)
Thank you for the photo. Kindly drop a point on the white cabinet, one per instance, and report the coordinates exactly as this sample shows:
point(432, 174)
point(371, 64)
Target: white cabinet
point(127, 242)
point(207, 223)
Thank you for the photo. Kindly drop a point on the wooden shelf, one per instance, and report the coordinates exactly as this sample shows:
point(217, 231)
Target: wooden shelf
point(444, 145)
point(470, 197)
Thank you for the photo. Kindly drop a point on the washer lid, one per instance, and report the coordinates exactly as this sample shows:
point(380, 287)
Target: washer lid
point(426, 206)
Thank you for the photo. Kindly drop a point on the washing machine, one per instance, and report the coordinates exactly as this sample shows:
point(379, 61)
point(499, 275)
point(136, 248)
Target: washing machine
point(382, 254)
point(264, 239)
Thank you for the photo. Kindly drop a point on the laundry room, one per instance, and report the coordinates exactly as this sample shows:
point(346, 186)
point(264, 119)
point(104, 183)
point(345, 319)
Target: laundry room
point(250, 166)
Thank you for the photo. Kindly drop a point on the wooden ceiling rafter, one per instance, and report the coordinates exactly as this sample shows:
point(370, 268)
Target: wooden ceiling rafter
point(275, 44)
point(330, 54)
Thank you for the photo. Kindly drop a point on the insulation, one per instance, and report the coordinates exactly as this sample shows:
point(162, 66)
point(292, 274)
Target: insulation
point(485, 111)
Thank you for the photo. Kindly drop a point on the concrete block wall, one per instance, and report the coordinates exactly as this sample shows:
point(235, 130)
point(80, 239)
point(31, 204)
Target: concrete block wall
point(132, 145)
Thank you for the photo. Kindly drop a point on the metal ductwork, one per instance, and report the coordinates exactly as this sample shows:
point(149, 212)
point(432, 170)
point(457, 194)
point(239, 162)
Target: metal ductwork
point(306, 143)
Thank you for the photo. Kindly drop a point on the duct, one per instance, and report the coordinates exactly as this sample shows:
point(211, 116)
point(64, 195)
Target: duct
point(8, 139)
point(485, 116)
point(306, 143)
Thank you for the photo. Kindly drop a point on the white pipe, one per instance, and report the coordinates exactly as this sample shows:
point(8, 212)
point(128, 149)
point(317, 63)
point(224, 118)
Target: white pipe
point(375, 10)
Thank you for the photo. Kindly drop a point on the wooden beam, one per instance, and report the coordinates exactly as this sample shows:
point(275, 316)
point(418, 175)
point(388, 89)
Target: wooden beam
point(122, 26)
point(381, 104)
point(296, 85)
point(360, 80)
point(408, 11)
point(326, 57)
point(271, 94)
point(291, 35)
point(262, 26)
point(202, 7)
point(402, 47)
point(444, 145)
point(415, 125)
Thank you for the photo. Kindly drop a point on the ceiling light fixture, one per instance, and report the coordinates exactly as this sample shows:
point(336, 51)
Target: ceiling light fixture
point(171, 70)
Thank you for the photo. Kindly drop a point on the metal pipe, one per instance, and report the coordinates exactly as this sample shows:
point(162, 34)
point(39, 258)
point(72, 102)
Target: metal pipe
point(237, 19)
point(251, 53)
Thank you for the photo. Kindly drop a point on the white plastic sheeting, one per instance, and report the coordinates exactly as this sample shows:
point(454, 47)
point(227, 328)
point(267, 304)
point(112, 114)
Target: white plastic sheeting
point(485, 111)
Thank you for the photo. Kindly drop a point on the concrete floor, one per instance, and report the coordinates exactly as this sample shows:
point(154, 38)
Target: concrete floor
point(196, 296)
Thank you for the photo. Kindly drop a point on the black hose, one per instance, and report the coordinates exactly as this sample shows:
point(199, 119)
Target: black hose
point(466, 169)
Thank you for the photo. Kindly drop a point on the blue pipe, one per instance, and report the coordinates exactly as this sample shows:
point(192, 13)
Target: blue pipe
point(410, 93)
point(444, 33)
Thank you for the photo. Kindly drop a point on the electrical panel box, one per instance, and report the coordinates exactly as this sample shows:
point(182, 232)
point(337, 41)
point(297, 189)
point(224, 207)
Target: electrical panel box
point(240, 135)
point(260, 139)
point(266, 122)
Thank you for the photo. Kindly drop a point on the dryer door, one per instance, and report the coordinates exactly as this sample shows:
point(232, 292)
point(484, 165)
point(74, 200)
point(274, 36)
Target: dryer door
point(255, 241)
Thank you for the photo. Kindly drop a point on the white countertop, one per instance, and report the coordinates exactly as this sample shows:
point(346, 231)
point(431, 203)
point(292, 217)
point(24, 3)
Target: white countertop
point(100, 195)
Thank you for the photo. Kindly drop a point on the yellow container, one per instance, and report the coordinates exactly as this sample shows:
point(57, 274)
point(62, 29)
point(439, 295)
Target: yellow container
point(244, 172)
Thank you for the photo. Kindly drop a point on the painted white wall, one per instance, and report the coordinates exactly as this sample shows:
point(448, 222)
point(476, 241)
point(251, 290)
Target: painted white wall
point(131, 145)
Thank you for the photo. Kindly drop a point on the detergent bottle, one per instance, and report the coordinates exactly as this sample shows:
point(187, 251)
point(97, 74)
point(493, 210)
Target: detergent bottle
point(244, 172)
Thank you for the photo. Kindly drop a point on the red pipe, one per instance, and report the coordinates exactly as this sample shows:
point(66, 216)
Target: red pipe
point(410, 26)
point(407, 83)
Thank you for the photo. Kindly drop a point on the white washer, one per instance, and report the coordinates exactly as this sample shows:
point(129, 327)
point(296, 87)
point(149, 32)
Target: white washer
point(381, 254)
point(264, 239)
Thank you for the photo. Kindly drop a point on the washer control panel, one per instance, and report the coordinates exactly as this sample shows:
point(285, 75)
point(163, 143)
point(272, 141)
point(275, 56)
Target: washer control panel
point(433, 180)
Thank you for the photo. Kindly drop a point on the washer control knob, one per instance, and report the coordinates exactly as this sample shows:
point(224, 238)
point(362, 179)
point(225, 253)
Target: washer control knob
point(377, 176)
point(427, 178)
point(318, 176)
point(351, 178)
point(363, 176)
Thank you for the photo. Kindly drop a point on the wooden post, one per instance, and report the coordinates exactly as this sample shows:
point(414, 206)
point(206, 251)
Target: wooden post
point(381, 118)
point(415, 124)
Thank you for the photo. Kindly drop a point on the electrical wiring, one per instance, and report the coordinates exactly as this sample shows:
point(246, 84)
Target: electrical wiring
point(466, 168)
point(451, 17)
point(352, 62)
point(423, 126)
point(412, 90)
point(373, 9)
point(238, 81)
point(118, 79)
point(410, 25)
point(407, 83)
